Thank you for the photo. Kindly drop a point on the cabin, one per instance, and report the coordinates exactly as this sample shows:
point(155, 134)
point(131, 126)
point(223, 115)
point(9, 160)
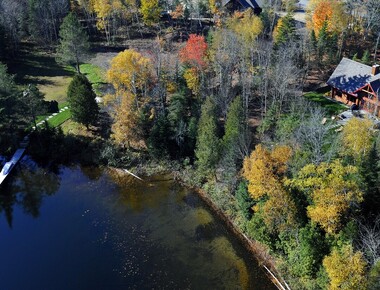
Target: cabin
point(241, 5)
point(354, 83)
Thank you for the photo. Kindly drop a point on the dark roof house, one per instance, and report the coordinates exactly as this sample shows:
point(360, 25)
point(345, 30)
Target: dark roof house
point(234, 5)
point(355, 83)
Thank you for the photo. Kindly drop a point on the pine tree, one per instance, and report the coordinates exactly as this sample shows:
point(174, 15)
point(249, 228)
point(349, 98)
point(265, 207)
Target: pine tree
point(285, 30)
point(74, 44)
point(81, 98)
point(244, 200)
point(322, 41)
point(366, 57)
point(208, 144)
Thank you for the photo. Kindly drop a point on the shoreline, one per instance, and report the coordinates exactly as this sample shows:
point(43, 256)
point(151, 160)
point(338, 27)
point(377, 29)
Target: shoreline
point(257, 250)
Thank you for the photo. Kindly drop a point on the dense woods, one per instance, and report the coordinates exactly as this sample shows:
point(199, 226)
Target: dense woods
point(222, 104)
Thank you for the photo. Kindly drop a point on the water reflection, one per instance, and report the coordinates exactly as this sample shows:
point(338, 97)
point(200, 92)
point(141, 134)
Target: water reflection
point(28, 185)
point(102, 229)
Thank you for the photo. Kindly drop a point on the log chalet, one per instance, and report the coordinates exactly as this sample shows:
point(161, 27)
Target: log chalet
point(356, 83)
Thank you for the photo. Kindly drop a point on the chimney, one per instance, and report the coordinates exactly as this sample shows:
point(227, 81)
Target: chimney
point(375, 69)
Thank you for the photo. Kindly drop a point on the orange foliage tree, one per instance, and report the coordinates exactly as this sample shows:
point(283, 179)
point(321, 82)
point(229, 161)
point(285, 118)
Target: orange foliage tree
point(330, 11)
point(194, 52)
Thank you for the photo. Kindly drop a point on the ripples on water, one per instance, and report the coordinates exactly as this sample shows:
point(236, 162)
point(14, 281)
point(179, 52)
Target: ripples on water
point(105, 230)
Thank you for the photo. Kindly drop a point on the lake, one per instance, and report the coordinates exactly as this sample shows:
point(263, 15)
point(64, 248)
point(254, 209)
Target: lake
point(88, 228)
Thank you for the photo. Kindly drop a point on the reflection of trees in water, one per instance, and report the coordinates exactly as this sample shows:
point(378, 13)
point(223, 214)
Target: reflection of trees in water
point(27, 189)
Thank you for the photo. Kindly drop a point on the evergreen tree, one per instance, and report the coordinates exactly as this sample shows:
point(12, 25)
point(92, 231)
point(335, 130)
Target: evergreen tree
point(81, 98)
point(33, 101)
point(322, 41)
point(313, 40)
point(245, 201)
point(74, 44)
point(159, 138)
point(234, 129)
point(366, 57)
point(285, 30)
point(208, 144)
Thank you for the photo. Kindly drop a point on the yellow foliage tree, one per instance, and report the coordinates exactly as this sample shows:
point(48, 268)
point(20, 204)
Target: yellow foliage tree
point(333, 188)
point(265, 171)
point(150, 11)
point(130, 72)
point(126, 130)
point(248, 26)
point(346, 269)
point(191, 76)
point(105, 10)
point(331, 11)
point(357, 137)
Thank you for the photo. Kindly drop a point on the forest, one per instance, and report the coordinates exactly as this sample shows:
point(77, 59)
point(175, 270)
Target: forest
point(231, 102)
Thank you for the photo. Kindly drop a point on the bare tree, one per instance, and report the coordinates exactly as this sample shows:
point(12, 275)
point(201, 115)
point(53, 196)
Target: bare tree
point(369, 241)
point(226, 61)
point(12, 18)
point(311, 134)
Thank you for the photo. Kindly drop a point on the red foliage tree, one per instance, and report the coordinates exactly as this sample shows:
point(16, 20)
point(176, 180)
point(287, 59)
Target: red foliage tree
point(194, 52)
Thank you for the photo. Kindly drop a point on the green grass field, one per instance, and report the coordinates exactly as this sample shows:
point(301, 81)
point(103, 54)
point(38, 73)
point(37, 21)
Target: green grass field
point(331, 107)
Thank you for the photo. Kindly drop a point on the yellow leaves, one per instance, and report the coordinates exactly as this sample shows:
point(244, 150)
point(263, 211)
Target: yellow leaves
point(357, 138)
point(331, 11)
point(332, 188)
point(346, 269)
point(191, 76)
point(248, 27)
point(126, 128)
point(130, 74)
point(130, 71)
point(150, 11)
point(104, 9)
point(264, 171)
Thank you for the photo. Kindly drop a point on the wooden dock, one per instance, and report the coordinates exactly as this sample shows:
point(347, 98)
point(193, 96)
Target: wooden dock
point(15, 158)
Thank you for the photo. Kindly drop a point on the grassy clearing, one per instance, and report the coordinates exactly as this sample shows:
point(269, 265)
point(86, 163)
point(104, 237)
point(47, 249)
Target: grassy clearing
point(331, 107)
point(40, 68)
point(94, 74)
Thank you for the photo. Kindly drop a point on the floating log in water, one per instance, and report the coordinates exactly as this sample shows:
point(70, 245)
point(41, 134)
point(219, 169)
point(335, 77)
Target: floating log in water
point(134, 175)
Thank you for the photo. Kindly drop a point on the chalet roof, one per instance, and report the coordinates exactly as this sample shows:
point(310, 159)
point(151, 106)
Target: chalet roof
point(350, 76)
point(254, 4)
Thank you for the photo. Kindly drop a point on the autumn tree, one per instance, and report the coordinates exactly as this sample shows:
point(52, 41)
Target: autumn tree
point(81, 98)
point(330, 11)
point(110, 13)
point(333, 189)
point(248, 26)
point(357, 138)
point(265, 171)
point(194, 52)
point(130, 73)
point(74, 44)
point(126, 129)
point(346, 269)
point(151, 11)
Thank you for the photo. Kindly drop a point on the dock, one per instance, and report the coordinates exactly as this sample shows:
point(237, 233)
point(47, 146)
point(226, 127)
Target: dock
point(15, 158)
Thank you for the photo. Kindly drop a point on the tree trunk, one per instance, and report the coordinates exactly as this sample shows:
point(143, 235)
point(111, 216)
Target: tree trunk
point(376, 46)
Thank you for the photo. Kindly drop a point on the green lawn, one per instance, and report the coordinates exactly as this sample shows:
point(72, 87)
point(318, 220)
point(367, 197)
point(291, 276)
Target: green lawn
point(94, 74)
point(331, 107)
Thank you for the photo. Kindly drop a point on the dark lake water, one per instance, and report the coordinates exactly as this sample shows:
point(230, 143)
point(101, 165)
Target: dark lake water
point(86, 228)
